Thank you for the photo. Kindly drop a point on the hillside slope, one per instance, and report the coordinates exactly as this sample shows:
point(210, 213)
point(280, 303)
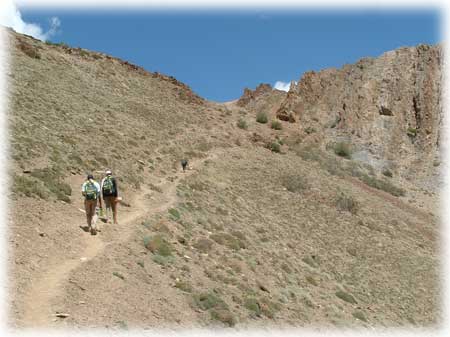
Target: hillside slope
point(269, 227)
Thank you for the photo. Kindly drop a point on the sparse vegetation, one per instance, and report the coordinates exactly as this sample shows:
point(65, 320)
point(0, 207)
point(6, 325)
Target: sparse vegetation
point(261, 117)
point(276, 125)
point(242, 124)
point(268, 308)
point(274, 147)
point(311, 280)
point(208, 300)
point(382, 185)
point(387, 173)
point(228, 240)
point(174, 214)
point(163, 260)
point(342, 149)
point(359, 315)
point(346, 202)
point(345, 297)
point(29, 50)
point(184, 286)
point(223, 315)
point(23, 185)
point(252, 305)
point(157, 244)
point(218, 309)
point(295, 183)
point(411, 132)
point(119, 275)
point(43, 183)
point(309, 260)
point(51, 178)
point(204, 245)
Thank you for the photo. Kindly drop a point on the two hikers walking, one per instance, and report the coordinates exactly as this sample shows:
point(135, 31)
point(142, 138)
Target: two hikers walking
point(93, 192)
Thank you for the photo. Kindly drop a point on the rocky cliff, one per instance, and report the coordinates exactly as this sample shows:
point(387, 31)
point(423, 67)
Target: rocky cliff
point(387, 109)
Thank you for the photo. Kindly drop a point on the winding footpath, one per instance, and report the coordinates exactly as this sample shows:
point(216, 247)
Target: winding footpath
point(38, 309)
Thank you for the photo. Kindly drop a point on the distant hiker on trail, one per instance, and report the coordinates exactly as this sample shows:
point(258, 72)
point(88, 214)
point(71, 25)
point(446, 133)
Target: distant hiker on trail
point(91, 192)
point(184, 163)
point(110, 195)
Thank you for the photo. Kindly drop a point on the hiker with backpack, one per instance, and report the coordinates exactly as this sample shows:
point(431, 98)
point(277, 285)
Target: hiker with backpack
point(184, 164)
point(91, 193)
point(110, 195)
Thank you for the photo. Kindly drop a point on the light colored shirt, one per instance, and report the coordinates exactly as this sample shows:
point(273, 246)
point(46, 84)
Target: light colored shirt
point(97, 186)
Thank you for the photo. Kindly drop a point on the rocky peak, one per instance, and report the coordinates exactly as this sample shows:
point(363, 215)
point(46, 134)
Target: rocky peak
point(250, 95)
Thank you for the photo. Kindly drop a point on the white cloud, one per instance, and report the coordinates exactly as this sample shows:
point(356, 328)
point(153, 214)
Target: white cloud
point(284, 86)
point(10, 17)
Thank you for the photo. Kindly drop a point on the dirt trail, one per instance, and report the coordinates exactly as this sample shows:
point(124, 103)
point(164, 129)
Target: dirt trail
point(38, 309)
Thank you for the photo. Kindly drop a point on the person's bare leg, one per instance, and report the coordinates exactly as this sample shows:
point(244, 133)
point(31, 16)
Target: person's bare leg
point(88, 213)
point(114, 210)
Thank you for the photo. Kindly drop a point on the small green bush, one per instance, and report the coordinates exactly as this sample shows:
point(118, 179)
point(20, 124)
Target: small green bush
point(359, 315)
point(163, 260)
point(311, 280)
point(158, 245)
point(206, 301)
point(119, 275)
point(342, 149)
point(228, 240)
point(274, 147)
point(242, 124)
point(345, 297)
point(223, 315)
point(204, 245)
point(411, 132)
point(184, 286)
point(387, 173)
point(261, 117)
point(310, 261)
point(252, 305)
point(346, 203)
point(175, 214)
point(382, 185)
point(310, 130)
point(268, 308)
point(276, 125)
point(294, 183)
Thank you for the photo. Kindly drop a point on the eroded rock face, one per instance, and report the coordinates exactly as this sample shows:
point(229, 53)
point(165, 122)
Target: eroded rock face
point(389, 108)
point(263, 99)
point(250, 95)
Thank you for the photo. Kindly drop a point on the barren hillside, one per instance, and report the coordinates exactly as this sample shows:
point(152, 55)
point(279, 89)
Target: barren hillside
point(276, 223)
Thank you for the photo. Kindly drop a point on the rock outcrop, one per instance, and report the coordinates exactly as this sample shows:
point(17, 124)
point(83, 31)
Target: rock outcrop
point(388, 108)
point(263, 98)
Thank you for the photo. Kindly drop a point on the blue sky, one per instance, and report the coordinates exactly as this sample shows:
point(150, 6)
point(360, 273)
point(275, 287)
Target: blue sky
point(220, 53)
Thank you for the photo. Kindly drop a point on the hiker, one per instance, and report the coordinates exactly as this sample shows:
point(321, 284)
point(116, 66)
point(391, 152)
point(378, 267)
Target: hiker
point(109, 191)
point(184, 163)
point(91, 192)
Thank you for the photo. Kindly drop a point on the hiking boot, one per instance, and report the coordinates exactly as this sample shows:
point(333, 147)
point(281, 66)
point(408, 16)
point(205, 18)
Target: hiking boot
point(93, 231)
